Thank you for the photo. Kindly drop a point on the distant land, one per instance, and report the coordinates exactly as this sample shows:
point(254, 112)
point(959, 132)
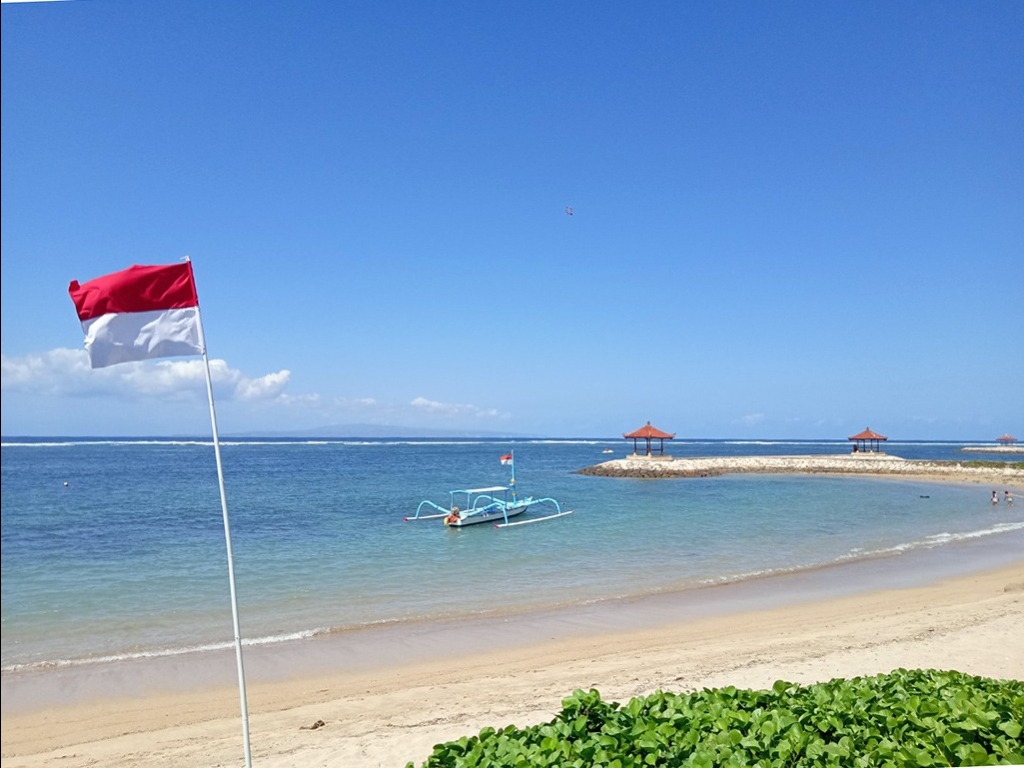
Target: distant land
point(376, 431)
point(346, 431)
point(388, 431)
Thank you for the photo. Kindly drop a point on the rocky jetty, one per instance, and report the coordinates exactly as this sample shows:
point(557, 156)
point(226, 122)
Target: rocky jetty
point(845, 464)
point(993, 449)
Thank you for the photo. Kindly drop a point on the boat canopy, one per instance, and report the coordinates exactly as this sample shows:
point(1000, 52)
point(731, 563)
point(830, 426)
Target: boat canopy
point(492, 489)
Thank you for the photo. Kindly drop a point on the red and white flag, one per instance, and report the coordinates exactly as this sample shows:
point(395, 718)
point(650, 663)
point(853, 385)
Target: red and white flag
point(139, 313)
point(506, 459)
point(145, 312)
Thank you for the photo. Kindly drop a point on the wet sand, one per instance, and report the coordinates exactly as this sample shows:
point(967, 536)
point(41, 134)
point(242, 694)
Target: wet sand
point(387, 696)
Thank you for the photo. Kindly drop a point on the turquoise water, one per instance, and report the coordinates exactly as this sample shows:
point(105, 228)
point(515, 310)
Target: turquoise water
point(128, 559)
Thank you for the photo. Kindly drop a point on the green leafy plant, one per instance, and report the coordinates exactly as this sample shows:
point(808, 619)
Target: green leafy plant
point(905, 718)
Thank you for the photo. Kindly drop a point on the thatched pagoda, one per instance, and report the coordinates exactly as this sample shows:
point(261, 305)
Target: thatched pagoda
point(649, 434)
point(867, 441)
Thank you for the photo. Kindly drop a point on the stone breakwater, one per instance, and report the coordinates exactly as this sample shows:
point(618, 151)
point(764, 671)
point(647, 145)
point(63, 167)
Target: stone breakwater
point(849, 464)
point(993, 449)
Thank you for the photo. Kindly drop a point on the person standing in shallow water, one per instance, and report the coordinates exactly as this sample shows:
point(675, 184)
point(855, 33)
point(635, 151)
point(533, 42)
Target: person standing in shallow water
point(1008, 497)
point(995, 497)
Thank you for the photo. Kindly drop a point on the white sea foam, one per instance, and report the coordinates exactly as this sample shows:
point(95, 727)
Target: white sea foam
point(160, 653)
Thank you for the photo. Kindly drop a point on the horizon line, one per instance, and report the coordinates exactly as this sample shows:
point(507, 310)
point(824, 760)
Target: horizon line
point(441, 436)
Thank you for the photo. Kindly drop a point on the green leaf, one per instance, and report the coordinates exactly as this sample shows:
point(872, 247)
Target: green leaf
point(908, 717)
point(1011, 729)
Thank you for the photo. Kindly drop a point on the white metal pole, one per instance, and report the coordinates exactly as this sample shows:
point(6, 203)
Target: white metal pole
point(512, 453)
point(227, 539)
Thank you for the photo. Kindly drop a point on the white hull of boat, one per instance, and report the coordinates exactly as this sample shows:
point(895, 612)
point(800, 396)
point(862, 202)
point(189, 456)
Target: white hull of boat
point(490, 516)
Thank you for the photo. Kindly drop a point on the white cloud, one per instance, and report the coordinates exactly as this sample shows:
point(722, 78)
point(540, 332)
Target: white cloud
point(750, 420)
point(44, 392)
point(452, 409)
point(356, 403)
point(66, 373)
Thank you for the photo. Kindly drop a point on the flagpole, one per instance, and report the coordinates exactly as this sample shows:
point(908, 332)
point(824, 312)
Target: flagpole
point(168, 291)
point(227, 539)
point(513, 483)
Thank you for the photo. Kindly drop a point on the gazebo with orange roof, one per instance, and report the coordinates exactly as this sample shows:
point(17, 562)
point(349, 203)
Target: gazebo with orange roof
point(649, 434)
point(1006, 439)
point(867, 438)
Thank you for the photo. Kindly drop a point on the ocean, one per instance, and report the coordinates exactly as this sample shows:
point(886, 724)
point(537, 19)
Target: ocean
point(113, 549)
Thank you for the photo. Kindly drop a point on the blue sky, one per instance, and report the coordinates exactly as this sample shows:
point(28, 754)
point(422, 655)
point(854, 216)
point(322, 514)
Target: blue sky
point(789, 220)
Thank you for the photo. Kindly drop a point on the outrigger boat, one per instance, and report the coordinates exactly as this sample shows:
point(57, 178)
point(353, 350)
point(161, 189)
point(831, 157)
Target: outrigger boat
point(495, 504)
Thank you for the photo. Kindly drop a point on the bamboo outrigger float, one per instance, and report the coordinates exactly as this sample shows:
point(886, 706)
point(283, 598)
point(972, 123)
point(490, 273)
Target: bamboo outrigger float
point(494, 504)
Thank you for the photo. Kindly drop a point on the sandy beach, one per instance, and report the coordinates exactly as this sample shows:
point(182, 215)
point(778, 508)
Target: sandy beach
point(396, 712)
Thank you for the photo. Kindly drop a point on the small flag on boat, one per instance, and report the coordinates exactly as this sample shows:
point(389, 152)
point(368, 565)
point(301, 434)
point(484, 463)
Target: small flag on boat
point(139, 314)
point(506, 459)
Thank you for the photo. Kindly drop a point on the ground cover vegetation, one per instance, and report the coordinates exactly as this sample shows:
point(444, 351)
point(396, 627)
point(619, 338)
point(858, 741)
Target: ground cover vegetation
point(904, 718)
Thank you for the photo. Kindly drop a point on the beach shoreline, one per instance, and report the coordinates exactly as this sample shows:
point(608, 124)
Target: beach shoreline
point(385, 694)
point(864, 618)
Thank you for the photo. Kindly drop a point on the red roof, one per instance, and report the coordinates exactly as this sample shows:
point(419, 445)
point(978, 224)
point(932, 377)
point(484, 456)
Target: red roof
point(647, 431)
point(867, 434)
point(1006, 439)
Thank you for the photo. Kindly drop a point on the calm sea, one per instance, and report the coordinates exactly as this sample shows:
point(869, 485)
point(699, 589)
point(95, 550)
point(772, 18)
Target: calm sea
point(114, 549)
